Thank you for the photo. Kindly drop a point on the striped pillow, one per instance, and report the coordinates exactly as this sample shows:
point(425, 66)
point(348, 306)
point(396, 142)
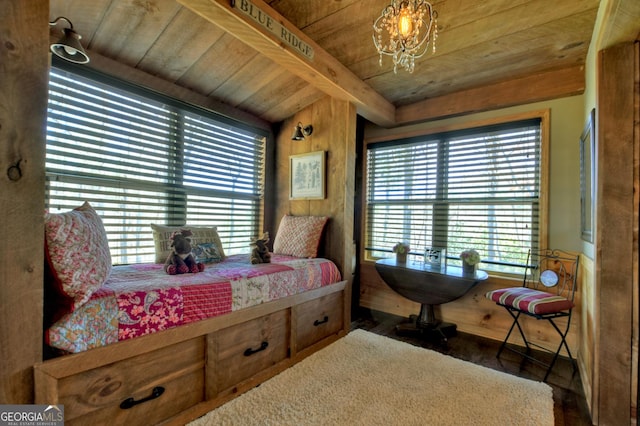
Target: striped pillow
point(528, 300)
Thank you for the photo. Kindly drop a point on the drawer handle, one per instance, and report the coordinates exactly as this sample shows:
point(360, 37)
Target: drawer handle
point(262, 347)
point(130, 402)
point(322, 321)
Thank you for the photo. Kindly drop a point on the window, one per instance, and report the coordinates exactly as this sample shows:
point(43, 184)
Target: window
point(477, 188)
point(140, 158)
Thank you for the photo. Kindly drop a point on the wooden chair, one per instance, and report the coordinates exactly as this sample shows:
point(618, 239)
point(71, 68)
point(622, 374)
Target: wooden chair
point(547, 293)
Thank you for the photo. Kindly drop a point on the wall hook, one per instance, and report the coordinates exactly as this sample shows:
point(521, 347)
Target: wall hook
point(14, 172)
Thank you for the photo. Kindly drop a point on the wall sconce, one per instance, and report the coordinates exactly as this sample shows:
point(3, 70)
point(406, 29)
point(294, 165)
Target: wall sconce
point(69, 47)
point(300, 132)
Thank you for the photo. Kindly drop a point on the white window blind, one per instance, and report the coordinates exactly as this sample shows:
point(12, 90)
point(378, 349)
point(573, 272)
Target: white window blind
point(477, 188)
point(139, 158)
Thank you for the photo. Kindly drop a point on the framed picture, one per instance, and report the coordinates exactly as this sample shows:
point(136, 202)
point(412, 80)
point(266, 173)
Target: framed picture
point(435, 256)
point(587, 172)
point(307, 176)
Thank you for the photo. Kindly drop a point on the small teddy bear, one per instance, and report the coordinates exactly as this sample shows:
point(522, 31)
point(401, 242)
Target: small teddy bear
point(260, 252)
point(180, 260)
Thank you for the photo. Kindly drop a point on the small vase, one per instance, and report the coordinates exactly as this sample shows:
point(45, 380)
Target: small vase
point(401, 257)
point(469, 270)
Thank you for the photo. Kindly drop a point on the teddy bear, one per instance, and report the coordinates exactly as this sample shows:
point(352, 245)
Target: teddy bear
point(180, 260)
point(260, 252)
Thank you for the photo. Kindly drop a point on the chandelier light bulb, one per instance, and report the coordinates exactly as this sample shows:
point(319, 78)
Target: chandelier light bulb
point(405, 26)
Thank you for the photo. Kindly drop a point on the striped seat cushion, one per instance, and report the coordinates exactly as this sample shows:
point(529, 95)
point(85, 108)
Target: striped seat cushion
point(528, 300)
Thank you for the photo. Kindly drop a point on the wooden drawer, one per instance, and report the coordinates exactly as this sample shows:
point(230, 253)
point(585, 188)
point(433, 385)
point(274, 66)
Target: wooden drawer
point(239, 352)
point(176, 373)
point(317, 319)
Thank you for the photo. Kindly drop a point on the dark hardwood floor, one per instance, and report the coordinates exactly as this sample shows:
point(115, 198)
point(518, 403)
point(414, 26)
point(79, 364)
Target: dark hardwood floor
point(570, 407)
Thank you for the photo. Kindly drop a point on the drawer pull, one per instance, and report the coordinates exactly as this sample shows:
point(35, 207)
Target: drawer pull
point(322, 321)
point(130, 402)
point(262, 347)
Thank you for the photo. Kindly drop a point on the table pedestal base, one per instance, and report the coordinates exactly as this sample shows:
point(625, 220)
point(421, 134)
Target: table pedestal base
point(427, 325)
point(430, 286)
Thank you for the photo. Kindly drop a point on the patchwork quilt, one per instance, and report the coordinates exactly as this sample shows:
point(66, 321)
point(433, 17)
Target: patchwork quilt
point(141, 299)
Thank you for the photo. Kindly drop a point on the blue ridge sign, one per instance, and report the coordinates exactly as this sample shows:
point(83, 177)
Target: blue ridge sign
point(276, 28)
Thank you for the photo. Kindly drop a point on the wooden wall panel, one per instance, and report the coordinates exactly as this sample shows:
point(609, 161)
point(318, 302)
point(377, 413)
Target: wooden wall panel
point(588, 323)
point(616, 231)
point(24, 66)
point(334, 128)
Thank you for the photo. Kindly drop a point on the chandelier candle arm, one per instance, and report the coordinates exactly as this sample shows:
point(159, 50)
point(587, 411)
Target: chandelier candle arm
point(403, 31)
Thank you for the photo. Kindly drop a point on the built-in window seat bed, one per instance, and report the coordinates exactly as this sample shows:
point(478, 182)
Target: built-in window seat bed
point(145, 347)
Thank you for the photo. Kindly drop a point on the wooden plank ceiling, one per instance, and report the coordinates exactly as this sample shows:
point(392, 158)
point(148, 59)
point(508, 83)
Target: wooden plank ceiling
point(479, 44)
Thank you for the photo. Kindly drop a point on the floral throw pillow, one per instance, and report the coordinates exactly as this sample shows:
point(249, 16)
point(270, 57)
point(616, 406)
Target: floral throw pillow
point(299, 235)
point(78, 252)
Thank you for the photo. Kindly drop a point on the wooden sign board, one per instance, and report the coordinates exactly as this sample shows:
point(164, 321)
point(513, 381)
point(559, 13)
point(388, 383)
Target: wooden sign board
point(272, 25)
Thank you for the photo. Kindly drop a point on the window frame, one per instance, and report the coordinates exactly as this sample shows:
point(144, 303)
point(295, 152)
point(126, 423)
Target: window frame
point(430, 129)
point(188, 112)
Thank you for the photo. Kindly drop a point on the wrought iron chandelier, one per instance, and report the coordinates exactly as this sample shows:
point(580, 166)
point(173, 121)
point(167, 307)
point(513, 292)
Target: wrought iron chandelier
point(403, 31)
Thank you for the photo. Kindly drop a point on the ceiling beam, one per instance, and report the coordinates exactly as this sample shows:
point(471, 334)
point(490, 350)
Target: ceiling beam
point(259, 26)
point(533, 88)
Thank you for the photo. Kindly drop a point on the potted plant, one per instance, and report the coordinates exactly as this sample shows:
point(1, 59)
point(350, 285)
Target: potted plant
point(470, 259)
point(401, 250)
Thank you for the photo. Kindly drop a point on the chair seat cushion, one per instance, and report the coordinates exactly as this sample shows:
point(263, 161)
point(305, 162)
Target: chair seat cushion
point(528, 300)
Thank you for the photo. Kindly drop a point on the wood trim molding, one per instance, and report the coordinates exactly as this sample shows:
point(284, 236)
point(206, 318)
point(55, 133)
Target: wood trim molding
point(534, 88)
point(417, 130)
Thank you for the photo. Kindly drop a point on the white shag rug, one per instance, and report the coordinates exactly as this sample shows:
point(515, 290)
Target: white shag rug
point(367, 379)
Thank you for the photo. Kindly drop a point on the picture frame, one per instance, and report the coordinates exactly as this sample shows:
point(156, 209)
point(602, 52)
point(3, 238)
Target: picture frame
point(435, 256)
point(307, 176)
point(587, 173)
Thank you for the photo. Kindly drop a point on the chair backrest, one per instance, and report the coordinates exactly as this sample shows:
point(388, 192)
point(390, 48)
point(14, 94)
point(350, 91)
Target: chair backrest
point(553, 271)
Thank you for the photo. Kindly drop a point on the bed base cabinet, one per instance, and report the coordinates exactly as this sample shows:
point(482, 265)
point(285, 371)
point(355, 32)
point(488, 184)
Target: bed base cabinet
point(177, 375)
point(317, 319)
point(152, 386)
point(240, 352)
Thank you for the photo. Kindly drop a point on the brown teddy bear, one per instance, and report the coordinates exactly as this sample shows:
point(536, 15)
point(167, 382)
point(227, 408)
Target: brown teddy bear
point(180, 260)
point(260, 252)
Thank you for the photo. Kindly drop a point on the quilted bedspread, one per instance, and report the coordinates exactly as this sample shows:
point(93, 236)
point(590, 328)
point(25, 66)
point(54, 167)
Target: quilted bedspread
point(141, 299)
